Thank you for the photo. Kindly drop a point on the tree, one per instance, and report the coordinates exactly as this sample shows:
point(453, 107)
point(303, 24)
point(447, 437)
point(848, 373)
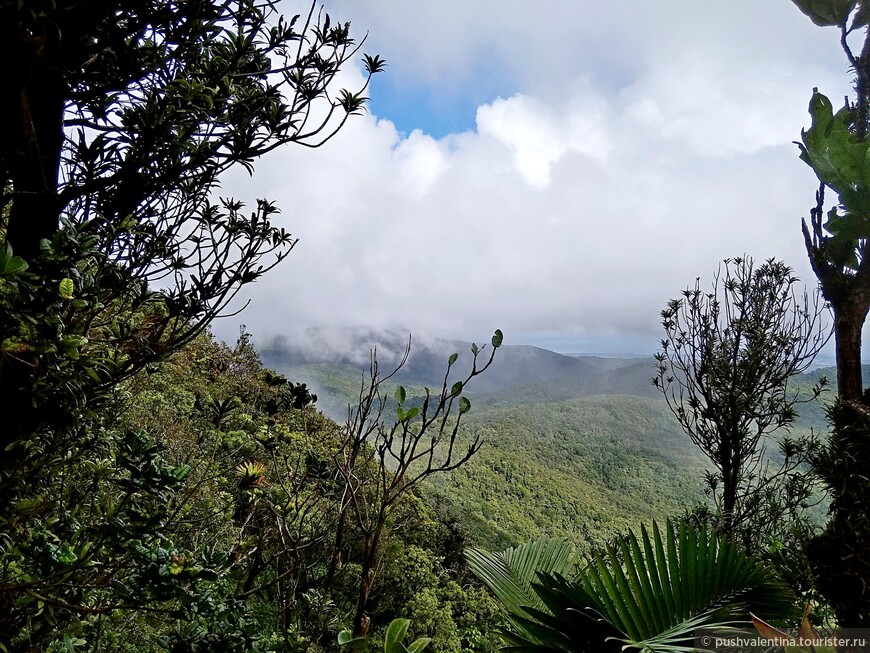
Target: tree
point(381, 460)
point(724, 369)
point(838, 242)
point(117, 120)
point(116, 123)
point(836, 147)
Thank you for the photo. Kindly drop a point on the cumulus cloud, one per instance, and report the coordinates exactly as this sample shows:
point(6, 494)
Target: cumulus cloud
point(569, 216)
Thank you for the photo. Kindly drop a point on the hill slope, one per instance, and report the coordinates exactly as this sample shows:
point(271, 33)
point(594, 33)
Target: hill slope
point(575, 446)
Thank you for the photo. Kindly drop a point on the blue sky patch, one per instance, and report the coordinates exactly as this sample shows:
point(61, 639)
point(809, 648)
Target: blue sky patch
point(434, 110)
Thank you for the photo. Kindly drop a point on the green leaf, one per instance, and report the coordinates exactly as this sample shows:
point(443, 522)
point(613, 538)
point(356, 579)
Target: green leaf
point(181, 472)
point(419, 644)
point(827, 13)
point(840, 162)
point(65, 555)
point(92, 373)
point(11, 265)
point(464, 405)
point(452, 359)
point(400, 395)
point(510, 573)
point(474, 349)
point(456, 389)
point(497, 339)
point(648, 596)
point(346, 638)
point(66, 288)
point(396, 631)
point(395, 647)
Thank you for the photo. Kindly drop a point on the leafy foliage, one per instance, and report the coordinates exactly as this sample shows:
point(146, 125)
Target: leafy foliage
point(838, 245)
point(583, 469)
point(392, 640)
point(219, 529)
point(827, 13)
point(725, 366)
point(381, 460)
point(839, 553)
point(118, 122)
point(510, 574)
point(648, 593)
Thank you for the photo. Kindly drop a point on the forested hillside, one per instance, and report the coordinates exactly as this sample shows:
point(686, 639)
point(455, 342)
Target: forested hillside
point(252, 552)
point(582, 447)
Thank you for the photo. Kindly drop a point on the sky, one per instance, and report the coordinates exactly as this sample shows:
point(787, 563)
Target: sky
point(558, 170)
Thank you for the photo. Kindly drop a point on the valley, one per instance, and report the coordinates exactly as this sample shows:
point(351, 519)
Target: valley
point(577, 446)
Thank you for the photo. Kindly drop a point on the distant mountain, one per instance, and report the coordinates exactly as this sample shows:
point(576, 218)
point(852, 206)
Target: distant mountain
point(579, 446)
point(332, 361)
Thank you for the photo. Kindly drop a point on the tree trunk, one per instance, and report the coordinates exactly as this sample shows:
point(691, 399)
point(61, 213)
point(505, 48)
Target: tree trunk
point(31, 140)
point(367, 579)
point(32, 102)
point(729, 495)
point(848, 324)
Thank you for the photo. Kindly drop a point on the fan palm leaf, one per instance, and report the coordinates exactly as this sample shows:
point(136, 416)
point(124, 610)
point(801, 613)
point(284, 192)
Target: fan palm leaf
point(647, 593)
point(510, 573)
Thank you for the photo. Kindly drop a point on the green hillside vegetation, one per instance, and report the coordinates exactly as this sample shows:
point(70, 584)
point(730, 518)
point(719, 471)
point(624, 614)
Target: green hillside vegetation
point(586, 452)
point(586, 469)
point(262, 498)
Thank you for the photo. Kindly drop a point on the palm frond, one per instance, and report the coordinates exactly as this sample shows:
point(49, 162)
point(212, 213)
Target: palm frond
point(646, 593)
point(509, 574)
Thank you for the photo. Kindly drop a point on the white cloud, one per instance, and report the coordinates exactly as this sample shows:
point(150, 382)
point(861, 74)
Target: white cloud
point(579, 212)
point(540, 134)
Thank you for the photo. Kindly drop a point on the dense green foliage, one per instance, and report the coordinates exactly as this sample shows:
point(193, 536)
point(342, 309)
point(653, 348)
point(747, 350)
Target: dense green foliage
point(585, 468)
point(646, 593)
point(223, 523)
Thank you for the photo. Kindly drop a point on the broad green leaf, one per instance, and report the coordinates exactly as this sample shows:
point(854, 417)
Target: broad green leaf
point(827, 13)
point(400, 395)
point(66, 288)
point(346, 638)
point(464, 405)
point(452, 359)
point(419, 644)
point(648, 593)
point(11, 265)
point(841, 163)
point(456, 389)
point(396, 631)
point(394, 647)
point(510, 573)
point(497, 339)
